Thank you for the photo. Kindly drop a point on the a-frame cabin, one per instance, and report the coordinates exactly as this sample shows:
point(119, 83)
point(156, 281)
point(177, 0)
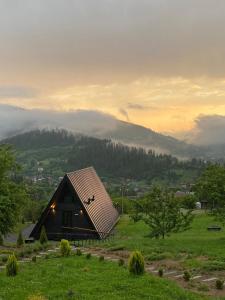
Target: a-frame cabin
point(79, 209)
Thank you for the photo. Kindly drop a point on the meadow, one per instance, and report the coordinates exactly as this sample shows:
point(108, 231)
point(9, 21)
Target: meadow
point(197, 241)
point(77, 277)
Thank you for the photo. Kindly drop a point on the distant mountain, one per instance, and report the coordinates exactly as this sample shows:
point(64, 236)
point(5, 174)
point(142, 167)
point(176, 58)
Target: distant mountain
point(14, 120)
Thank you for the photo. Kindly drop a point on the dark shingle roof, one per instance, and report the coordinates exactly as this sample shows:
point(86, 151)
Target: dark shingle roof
point(101, 211)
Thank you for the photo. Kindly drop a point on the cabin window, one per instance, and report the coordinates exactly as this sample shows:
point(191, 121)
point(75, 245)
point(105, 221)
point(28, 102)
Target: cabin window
point(67, 219)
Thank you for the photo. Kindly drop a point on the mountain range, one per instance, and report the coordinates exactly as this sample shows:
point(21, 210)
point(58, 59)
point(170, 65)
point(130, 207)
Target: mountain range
point(14, 120)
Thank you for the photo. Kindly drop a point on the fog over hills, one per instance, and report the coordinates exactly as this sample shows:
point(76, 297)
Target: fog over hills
point(14, 120)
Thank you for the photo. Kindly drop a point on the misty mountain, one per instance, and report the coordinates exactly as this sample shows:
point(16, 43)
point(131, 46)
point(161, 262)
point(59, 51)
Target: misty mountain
point(14, 120)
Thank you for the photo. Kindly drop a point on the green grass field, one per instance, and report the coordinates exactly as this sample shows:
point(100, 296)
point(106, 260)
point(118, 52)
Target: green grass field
point(78, 278)
point(197, 241)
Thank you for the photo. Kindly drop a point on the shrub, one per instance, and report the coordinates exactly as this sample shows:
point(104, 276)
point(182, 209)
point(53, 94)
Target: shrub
point(101, 258)
point(4, 258)
point(160, 272)
point(11, 266)
point(65, 248)
point(20, 241)
point(34, 258)
point(47, 256)
point(136, 263)
point(121, 262)
point(187, 276)
point(20, 254)
point(88, 256)
point(78, 252)
point(1, 240)
point(219, 284)
point(43, 236)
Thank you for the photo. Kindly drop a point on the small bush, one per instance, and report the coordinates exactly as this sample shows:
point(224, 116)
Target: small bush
point(160, 272)
point(78, 252)
point(101, 258)
point(121, 262)
point(187, 276)
point(65, 248)
point(1, 240)
point(20, 254)
point(136, 263)
point(47, 256)
point(219, 284)
point(88, 256)
point(34, 258)
point(43, 236)
point(4, 258)
point(20, 241)
point(11, 266)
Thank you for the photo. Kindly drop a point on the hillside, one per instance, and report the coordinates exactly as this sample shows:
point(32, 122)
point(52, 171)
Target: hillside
point(55, 152)
point(93, 123)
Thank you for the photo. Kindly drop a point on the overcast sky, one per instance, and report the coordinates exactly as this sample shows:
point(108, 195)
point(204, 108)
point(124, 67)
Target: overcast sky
point(152, 62)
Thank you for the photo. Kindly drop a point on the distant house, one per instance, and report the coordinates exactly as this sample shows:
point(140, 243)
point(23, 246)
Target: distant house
point(79, 209)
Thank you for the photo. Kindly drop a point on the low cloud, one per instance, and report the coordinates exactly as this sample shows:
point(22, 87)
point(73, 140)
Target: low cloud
point(208, 130)
point(14, 120)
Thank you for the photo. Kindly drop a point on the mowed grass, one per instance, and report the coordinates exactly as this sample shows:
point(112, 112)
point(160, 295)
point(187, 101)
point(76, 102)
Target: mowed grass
point(79, 278)
point(196, 241)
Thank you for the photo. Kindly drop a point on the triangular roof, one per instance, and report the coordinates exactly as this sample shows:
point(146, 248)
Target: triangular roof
point(86, 185)
point(101, 211)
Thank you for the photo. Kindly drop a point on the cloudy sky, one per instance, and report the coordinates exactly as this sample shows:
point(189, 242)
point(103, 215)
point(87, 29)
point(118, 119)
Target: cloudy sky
point(158, 63)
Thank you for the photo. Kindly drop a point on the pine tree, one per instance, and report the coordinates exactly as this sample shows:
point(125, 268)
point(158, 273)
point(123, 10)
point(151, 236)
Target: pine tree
point(43, 236)
point(20, 240)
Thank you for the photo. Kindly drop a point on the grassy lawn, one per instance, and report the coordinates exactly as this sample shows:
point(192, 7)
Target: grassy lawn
point(197, 241)
point(59, 278)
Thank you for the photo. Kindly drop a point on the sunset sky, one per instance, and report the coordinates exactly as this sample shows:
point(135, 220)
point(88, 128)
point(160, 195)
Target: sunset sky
point(157, 63)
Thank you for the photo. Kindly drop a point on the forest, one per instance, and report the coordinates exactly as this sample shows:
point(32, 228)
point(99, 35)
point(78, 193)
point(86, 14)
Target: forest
point(59, 151)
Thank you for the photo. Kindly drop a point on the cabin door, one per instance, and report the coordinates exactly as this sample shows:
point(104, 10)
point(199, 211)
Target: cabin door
point(67, 219)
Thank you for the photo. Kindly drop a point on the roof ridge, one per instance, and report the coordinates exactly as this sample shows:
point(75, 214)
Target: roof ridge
point(91, 167)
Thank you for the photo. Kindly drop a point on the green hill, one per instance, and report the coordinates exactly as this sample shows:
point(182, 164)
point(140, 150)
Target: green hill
point(56, 152)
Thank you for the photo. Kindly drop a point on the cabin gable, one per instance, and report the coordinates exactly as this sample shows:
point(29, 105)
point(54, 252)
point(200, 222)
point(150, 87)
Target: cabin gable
point(79, 209)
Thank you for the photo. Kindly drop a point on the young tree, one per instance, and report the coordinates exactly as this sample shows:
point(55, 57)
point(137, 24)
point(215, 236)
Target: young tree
point(12, 194)
point(211, 186)
point(43, 236)
point(20, 240)
point(162, 212)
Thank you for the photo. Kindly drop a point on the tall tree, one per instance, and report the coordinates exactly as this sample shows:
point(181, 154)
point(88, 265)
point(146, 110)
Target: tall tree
point(162, 212)
point(211, 186)
point(12, 194)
